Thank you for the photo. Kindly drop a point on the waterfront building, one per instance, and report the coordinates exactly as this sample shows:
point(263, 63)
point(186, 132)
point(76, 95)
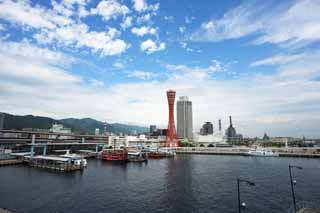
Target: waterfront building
point(159, 132)
point(41, 133)
point(58, 128)
point(184, 118)
point(207, 129)
point(134, 141)
point(97, 131)
point(231, 134)
point(1, 120)
point(265, 137)
point(153, 129)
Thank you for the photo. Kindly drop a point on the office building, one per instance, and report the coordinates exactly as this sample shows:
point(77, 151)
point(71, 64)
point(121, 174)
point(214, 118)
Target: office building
point(231, 134)
point(1, 120)
point(184, 118)
point(97, 131)
point(153, 129)
point(207, 129)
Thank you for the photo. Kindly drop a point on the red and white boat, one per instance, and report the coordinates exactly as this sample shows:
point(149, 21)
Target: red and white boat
point(115, 154)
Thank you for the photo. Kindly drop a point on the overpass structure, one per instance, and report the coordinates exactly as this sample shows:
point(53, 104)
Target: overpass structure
point(36, 140)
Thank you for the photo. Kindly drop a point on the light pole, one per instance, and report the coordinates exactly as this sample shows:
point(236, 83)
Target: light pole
point(239, 200)
point(292, 183)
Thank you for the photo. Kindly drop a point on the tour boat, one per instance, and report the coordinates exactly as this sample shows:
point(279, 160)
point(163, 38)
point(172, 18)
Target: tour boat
point(262, 153)
point(137, 156)
point(75, 159)
point(161, 153)
point(119, 154)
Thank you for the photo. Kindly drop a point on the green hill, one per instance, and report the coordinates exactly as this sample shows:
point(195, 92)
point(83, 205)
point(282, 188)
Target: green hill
point(85, 125)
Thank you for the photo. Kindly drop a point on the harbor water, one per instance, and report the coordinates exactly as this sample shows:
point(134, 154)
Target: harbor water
point(186, 183)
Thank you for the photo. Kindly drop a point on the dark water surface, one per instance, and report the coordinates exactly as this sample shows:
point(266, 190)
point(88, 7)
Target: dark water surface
point(187, 183)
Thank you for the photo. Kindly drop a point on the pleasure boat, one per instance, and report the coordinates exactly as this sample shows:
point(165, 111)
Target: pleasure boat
point(262, 152)
point(137, 156)
point(75, 159)
point(115, 154)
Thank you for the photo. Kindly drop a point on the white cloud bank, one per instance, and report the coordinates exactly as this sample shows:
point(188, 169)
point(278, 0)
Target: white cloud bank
point(150, 46)
point(269, 25)
point(286, 103)
point(56, 25)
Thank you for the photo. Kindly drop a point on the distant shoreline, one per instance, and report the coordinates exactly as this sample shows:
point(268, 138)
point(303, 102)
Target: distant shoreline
point(312, 152)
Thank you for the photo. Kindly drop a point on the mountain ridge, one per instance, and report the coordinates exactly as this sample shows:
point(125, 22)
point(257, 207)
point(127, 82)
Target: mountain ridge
point(78, 125)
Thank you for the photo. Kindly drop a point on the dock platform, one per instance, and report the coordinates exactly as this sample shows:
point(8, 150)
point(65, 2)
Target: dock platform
point(53, 163)
point(308, 210)
point(6, 162)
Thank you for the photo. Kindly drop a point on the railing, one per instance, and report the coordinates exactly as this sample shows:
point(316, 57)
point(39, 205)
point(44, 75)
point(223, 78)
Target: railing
point(305, 205)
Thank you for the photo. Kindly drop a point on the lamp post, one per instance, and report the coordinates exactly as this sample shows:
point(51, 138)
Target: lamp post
point(292, 183)
point(239, 200)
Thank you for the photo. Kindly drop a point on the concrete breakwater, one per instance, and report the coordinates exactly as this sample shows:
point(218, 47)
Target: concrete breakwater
point(311, 152)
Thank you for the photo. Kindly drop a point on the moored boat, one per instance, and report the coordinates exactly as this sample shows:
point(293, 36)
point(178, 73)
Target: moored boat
point(119, 154)
point(161, 153)
point(137, 156)
point(75, 159)
point(262, 152)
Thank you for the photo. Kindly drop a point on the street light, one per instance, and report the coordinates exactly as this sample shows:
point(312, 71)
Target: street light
point(238, 182)
point(293, 182)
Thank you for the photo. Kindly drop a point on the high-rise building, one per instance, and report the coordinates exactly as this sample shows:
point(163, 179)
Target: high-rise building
point(184, 118)
point(207, 129)
point(231, 134)
point(231, 131)
point(153, 128)
point(1, 120)
point(97, 131)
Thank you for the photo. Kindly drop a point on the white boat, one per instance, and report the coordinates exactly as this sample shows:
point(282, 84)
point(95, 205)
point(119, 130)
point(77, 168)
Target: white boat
point(76, 159)
point(262, 152)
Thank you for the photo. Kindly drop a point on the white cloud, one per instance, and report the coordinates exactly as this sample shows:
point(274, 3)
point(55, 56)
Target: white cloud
point(214, 66)
point(272, 103)
point(110, 9)
point(22, 13)
point(126, 23)
point(79, 36)
point(51, 27)
point(188, 20)
point(144, 31)
point(30, 52)
point(2, 28)
point(183, 44)
point(150, 46)
point(278, 59)
point(235, 23)
point(290, 25)
point(119, 65)
point(143, 75)
point(182, 29)
point(141, 6)
point(169, 18)
point(144, 18)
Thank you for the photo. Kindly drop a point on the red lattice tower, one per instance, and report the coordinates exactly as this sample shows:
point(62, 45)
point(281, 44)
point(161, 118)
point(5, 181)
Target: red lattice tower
point(171, 139)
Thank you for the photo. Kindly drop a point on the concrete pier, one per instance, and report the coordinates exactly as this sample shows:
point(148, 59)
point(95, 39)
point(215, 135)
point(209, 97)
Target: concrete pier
point(283, 152)
point(53, 163)
point(6, 162)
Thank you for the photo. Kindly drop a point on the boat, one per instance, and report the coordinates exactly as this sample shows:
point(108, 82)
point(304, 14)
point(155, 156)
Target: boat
point(161, 153)
point(137, 157)
point(115, 154)
point(262, 152)
point(75, 159)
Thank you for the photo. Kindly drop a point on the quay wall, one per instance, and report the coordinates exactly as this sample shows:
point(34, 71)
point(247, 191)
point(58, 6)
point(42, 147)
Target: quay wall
point(309, 152)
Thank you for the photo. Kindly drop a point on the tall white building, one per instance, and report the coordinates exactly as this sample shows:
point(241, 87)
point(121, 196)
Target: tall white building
point(184, 118)
point(58, 128)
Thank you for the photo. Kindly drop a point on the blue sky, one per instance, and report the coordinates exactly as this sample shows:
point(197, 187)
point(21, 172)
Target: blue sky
point(114, 60)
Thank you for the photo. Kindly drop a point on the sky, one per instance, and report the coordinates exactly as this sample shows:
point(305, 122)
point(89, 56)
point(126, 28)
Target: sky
point(114, 60)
